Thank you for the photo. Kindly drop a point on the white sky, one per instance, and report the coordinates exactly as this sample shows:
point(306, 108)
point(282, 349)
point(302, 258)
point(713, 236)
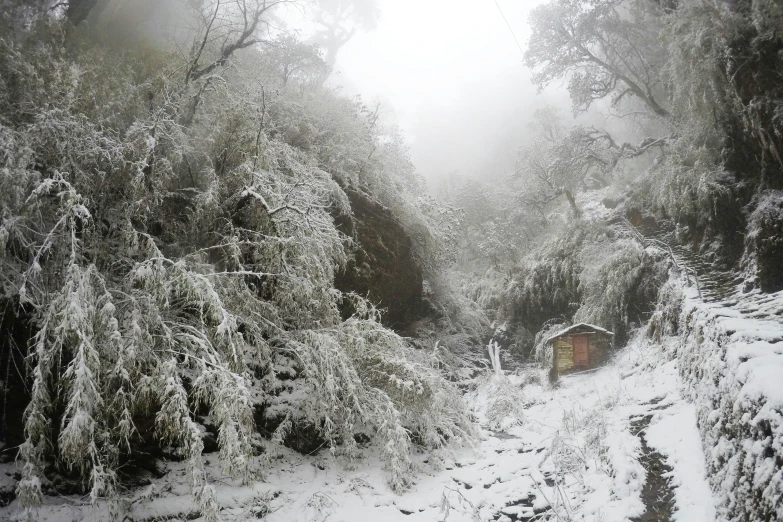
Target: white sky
point(453, 76)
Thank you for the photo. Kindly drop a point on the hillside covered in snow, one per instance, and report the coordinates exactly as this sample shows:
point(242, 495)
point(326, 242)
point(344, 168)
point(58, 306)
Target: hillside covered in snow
point(226, 292)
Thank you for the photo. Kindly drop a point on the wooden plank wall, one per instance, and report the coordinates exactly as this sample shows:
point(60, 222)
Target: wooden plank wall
point(599, 348)
point(564, 354)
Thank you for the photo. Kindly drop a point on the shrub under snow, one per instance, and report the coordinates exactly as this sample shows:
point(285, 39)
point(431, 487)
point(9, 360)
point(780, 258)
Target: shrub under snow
point(181, 259)
point(764, 242)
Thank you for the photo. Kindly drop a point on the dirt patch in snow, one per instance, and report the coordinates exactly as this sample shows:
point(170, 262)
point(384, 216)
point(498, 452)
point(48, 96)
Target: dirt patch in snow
point(657, 493)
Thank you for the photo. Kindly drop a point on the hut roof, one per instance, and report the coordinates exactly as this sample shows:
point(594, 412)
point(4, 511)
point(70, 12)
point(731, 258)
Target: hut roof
point(580, 328)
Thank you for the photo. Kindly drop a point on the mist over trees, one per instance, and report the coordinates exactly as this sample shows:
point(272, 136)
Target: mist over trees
point(664, 126)
point(338, 21)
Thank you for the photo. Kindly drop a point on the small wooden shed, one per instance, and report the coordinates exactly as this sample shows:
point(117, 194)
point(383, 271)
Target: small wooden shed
point(580, 347)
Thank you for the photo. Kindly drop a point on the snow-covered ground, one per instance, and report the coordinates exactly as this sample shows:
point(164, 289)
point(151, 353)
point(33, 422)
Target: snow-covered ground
point(732, 355)
point(729, 346)
point(572, 453)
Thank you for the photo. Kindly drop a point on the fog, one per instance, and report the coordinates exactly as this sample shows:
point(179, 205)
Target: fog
point(449, 73)
point(452, 76)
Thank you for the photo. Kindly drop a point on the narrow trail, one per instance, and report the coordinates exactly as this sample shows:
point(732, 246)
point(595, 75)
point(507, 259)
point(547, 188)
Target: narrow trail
point(657, 493)
point(748, 316)
point(715, 286)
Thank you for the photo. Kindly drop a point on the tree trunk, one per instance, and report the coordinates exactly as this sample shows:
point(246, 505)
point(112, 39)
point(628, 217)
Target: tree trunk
point(572, 202)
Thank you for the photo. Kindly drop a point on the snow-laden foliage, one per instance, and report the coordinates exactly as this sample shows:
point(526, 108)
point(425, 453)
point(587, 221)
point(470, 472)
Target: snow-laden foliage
point(363, 378)
point(546, 282)
point(581, 442)
point(560, 161)
point(586, 273)
point(702, 79)
point(603, 48)
point(542, 350)
point(619, 284)
point(764, 242)
point(666, 318)
point(484, 289)
point(689, 185)
point(499, 402)
point(506, 405)
point(724, 72)
point(177, 246)
point(494, 226)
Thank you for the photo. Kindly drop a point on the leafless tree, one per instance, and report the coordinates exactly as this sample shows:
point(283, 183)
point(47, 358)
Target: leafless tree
point(226, 27)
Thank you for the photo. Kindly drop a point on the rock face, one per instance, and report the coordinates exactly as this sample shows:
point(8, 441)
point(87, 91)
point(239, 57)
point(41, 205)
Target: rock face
point(384, 268)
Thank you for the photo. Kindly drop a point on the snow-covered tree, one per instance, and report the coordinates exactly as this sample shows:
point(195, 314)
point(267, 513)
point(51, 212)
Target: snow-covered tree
point(603, 48)
point(619, 284)
point(175, 244)
point(563, 161)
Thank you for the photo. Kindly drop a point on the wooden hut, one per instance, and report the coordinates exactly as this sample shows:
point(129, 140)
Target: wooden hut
point(580, 347)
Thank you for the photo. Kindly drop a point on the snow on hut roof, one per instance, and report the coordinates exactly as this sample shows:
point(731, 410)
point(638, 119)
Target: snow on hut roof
point(579, 326)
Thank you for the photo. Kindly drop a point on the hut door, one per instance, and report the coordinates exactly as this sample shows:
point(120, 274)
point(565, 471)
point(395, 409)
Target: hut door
point(580, 350)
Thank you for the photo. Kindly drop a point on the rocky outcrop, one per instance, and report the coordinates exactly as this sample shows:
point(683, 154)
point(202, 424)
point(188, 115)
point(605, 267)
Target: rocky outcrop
point(384, 269)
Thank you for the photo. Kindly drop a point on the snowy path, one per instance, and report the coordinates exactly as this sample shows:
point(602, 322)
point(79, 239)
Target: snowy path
point(575, 454)
point(732, 356)
point(730, 346)
point(717, 288)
